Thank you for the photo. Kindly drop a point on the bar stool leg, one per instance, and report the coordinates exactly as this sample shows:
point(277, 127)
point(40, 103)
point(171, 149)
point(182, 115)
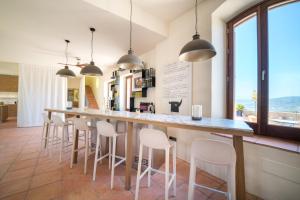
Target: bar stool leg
point(167, 174)
point(125, 145)
point(52, 139)
point(86, 149)
point(62, 144)
point(174, 169)
point(113, 162)
point(73, 148)
point(192, 180)
point(109, 153)
point(67, 133)
point(149, 166)
point(100, 149)
point(137, 188)
point(96, 156)
point(90, 143)
point(43, 136)
point(47, 139)
point(231, 183)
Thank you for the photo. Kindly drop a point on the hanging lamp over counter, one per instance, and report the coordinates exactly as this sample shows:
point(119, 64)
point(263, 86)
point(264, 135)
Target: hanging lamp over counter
point(66, 72)
point(197, 49)
point(91, 69)
point(130, 61)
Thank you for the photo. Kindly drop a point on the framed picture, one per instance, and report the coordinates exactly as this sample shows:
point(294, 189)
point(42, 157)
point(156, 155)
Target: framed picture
point(137, 82)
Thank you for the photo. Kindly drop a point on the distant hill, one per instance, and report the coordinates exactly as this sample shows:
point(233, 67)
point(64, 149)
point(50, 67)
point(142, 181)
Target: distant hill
point(281, 104)
point(288, 104)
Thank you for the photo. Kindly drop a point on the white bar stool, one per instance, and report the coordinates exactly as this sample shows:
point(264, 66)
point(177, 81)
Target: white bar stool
point(64, 139)
point(47, 123)
point(81, 124)
point(156, 139)
point(216, 153)
point(107, 130)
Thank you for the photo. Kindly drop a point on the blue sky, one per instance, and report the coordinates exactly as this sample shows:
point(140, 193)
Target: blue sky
point(284, 53)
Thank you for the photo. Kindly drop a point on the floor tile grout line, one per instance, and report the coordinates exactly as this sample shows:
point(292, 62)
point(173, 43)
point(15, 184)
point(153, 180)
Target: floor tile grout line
point(11, 195)
point(12, 162)
point(41, 187)
point(33, 173)
point(22, 148)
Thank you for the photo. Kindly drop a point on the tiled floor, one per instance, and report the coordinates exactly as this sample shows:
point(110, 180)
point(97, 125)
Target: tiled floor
point(28, 173)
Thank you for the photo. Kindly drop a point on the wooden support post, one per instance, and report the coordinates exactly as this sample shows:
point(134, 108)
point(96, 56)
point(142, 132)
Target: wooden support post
point(240, 170)
point(76, 143)
point(129, 156)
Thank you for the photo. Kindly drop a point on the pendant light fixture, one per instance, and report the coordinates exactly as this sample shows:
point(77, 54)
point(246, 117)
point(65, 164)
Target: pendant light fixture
point(197, 49)
point(130, 61)
point(91, 69)
point(66, 72)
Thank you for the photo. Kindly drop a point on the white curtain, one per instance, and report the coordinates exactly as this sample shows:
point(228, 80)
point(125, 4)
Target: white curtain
point(39, 88)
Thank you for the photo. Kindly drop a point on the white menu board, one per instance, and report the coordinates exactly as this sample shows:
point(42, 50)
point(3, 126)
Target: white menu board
point(176, 85)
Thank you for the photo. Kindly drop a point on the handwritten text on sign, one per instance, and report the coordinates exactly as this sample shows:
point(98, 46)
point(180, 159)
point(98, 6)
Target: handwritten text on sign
point(177, 80)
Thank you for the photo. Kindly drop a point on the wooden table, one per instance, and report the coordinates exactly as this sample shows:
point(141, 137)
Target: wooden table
point(225, 126)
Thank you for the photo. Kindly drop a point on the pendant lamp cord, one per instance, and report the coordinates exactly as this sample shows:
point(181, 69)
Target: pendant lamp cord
point(92, 46)
point(196, 16)
point(66, 51)
point(130, 33)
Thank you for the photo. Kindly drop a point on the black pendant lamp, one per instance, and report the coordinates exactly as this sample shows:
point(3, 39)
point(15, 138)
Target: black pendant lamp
point(197, 49)
point(66, 72)
point(91, 69)
point(130, 61)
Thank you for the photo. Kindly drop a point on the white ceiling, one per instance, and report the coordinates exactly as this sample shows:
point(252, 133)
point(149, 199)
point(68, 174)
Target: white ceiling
point(33, 31)
point(167, 10)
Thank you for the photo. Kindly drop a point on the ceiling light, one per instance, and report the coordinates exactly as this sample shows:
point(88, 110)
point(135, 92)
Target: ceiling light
point(91, 69)
point(130, 61)
point(66, 72)
point(197, 49)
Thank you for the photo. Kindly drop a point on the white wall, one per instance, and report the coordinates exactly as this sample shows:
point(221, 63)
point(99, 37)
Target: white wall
point(9, 68)
point(166, 52)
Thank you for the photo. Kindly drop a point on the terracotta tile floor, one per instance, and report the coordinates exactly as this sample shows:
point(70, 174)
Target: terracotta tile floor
point(26, 172)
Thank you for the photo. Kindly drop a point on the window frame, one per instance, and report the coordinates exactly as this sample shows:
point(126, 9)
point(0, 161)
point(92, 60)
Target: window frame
point(261, 127)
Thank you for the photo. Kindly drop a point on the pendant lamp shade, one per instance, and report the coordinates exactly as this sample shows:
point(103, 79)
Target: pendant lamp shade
point(91, 69)
point(197, 49)
point(66, 72)
point(130, 61)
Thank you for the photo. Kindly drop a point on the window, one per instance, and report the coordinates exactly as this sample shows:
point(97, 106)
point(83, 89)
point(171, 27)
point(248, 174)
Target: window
point(284, 65)
point(264, 68)
point(128, 92)
point(245, 71)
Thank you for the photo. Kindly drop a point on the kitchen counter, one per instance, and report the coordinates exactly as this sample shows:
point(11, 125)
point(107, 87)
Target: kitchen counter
point(3, 113)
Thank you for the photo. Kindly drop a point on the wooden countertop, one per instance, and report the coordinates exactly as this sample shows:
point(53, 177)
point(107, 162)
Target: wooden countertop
point(225, 126)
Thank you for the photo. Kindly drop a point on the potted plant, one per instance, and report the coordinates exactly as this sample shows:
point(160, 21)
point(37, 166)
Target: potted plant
point(239, 109)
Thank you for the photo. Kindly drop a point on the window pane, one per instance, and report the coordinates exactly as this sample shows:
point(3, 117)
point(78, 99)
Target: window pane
point(245, 70)
point(284, 65)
